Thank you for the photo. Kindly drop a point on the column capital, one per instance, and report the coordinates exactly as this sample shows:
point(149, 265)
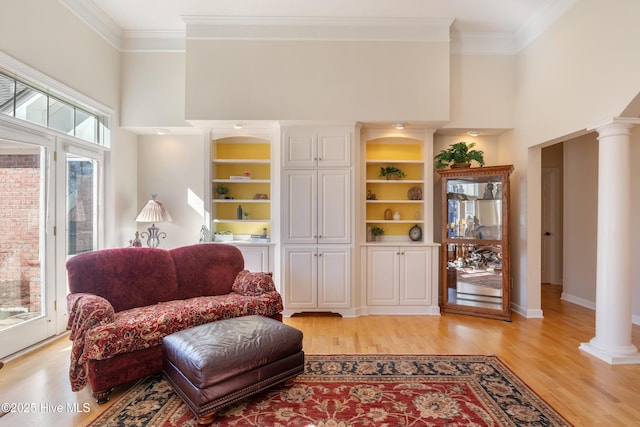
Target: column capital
point(627, 122)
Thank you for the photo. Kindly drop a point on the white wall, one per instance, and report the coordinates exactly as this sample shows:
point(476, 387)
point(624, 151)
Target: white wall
point(153, 89)
point(580, 219)
point(482, 91)
point(635, 228)
point(581, 70)
point(121, 183)
point(49, 38)
point(172, 166)
point(317, 80)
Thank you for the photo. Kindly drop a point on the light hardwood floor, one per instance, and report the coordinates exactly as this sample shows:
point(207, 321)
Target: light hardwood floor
point(542, 352)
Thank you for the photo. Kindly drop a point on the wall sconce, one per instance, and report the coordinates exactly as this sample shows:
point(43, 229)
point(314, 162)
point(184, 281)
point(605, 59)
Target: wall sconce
point(154, 211)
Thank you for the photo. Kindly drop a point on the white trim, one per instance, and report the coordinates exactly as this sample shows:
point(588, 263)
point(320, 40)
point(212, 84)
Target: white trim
point(527, 313)
point(578, 301)
point(483, 44)
point(153, 41)
point(317, 28)
point(23, 72)
point(96, 19)
point(630, 121)
point(541, 23)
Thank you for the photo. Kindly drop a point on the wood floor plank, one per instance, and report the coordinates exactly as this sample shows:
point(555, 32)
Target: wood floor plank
point(542, 352)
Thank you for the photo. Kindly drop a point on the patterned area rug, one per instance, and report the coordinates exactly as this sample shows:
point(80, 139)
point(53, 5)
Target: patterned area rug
point(361, 390)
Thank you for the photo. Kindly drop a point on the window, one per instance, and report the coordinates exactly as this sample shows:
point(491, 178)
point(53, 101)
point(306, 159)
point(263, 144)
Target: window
point(24, 101)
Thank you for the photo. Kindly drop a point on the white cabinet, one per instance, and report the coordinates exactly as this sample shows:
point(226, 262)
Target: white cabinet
point(316, 277)
point(256, 257)
point(309, 147)
point(401, 276)
point(316, 212)
point(317, 206)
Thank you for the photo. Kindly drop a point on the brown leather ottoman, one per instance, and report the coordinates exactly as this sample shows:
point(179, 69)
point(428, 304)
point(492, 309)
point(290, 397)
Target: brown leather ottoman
point(214, 365)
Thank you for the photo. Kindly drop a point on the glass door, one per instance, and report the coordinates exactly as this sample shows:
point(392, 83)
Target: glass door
point(81, 203)
point(25, 275)
point(475, 273)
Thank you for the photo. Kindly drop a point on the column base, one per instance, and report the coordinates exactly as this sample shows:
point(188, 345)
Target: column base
point(624, 358)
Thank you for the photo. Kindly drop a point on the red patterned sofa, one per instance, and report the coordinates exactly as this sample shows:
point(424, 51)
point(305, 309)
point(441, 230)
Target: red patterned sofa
point(124, 301)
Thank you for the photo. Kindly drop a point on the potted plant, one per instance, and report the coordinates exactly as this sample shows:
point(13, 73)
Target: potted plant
point(459, 155)
point(222, 191)
point(391, 172)
point(377, 232)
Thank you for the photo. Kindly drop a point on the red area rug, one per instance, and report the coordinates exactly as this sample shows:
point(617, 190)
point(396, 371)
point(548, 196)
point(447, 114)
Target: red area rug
point(361, 390)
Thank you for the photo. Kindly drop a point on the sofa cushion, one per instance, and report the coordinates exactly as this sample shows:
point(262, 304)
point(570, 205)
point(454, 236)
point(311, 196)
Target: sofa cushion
point(253, 283)
point(206, 269)
point(126, 277)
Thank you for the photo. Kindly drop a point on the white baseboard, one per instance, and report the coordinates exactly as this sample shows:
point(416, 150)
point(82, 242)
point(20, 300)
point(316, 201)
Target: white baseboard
point(577, 300)
point(635, 319)
point(529, 314)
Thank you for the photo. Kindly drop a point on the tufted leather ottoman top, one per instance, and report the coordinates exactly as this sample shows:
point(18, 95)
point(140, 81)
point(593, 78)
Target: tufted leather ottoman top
point(213, 352)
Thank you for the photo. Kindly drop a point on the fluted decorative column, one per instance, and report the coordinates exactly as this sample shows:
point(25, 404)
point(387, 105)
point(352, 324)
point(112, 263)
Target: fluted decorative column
point(612, 342)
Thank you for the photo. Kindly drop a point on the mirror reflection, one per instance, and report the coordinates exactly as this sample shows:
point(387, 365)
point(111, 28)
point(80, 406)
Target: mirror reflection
point(474, 275)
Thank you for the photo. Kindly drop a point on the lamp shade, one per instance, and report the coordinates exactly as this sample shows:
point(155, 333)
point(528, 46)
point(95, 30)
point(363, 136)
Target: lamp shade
point(154, 211)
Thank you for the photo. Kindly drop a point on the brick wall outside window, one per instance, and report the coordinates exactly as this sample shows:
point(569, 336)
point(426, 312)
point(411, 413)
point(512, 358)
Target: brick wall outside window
point(19, 233)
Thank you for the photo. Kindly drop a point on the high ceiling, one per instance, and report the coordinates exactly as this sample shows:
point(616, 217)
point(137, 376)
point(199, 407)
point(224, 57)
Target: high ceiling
point(520, 20)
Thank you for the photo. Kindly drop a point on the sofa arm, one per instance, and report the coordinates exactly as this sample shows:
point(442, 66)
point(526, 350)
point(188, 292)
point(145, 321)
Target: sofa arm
point(253, 283)
point(87, 310)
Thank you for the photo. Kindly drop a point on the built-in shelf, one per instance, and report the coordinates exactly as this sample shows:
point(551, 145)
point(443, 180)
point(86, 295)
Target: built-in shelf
point(239, 156)
point(382, 194)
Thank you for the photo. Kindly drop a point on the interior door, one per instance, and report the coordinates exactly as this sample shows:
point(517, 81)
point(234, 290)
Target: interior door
point(551, 257)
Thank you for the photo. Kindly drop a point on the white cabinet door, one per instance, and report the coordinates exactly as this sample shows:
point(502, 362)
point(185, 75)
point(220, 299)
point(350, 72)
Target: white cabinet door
point(256, 258)
point(399, 275)
point(334, 147)
point(300, 148)
point(382, 275)
point(309, 147)
point(300, 213)
point(317, 206)
point(333, 277)
point(301, 277)
point(415, 276)
point(334, 206)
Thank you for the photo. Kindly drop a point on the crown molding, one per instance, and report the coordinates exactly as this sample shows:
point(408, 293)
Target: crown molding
point(541, 23)
point(317, 28)
point(96, 19)
point(153, 41)
point(482, 44)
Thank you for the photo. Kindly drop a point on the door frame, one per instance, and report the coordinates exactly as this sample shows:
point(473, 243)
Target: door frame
point(53, 217)
point(33, 331)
